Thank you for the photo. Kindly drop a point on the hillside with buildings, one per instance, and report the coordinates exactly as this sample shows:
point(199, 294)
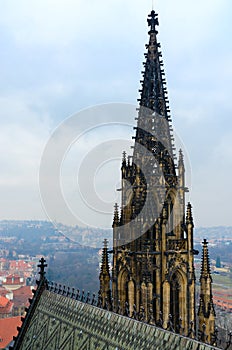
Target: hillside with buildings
point(22, 243)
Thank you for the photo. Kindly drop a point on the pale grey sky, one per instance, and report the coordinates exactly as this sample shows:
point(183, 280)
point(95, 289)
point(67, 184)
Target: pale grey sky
point(58, 57)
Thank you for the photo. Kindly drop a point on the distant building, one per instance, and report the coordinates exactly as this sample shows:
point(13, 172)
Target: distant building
point(21, 298)
point(13, 282)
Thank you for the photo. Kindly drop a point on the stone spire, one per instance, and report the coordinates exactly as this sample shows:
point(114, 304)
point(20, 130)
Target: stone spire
point(116, 215)
point(181, 159)
point(104, 276)
point(154, 92)
point(154, 152)
point(151, 238)
point(189, 216)
point(105, 259)
point(206, 312)
point(123, 158)
point(154, 113)
point(205, 266)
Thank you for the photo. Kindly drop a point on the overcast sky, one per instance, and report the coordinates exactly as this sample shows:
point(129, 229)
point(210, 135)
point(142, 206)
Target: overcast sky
point(58, 57)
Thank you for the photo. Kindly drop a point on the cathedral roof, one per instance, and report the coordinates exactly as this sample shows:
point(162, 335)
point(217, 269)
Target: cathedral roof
point(59, 322)
point(59, 319)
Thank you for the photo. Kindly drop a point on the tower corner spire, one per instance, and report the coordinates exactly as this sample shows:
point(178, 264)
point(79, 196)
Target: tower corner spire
point(124, 158)
point(181, 157)
point(206, 311)
point(105, 258)
point(104, 276)
point(205, 264)
point(189, 216)
point(116, 215)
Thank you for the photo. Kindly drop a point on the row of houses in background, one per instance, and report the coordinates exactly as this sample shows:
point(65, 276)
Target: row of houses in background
point(17, 279)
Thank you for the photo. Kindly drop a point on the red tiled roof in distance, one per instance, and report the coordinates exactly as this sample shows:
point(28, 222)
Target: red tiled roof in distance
point(21, 296)
point(3, 291)
point(8, 329)
point(20, 265)
point(3, 301)
point(5, 306)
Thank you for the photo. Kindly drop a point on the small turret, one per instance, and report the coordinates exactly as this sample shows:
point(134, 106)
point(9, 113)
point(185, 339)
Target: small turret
point(206, 312)
point(124, 165)
point(123, 158)
point(189, 216)
point(181, 158)
point(205, 267)
point(104, 276)
point(189, 228)
point(116, 216)
point(181, 169)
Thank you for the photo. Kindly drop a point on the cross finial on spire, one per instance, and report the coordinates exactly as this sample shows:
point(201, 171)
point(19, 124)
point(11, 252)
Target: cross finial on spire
point(42, 266)
point(153, 20)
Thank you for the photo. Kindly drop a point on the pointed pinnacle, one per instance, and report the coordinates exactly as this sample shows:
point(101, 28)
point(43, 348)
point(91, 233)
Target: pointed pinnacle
point(105, 260)
point(116, 214)
point(205, 267)
point(189, 217)
point(181, 157)
point(105, 242)
point(123, 157)
point(116, 208)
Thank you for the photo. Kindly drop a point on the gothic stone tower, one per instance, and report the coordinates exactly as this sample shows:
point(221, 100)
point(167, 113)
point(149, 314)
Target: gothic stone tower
point(153, 268)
